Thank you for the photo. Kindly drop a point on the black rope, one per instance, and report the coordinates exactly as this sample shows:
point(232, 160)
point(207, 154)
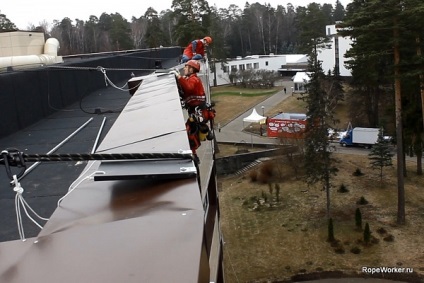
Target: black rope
point(18, 161)
point(16, 158)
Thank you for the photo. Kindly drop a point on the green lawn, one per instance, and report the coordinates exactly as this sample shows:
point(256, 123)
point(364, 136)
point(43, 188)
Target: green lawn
point(246, 92)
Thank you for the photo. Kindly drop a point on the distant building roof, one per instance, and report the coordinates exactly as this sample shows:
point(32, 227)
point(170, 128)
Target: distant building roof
point(301, 77)
point(290, 116)
point(296, 58)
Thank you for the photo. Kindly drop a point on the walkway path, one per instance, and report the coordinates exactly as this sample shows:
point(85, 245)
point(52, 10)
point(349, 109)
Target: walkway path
point(233, 131)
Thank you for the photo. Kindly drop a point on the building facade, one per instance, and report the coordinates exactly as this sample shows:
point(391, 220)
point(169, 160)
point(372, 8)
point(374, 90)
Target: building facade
point(285, 65)
point(332, 56)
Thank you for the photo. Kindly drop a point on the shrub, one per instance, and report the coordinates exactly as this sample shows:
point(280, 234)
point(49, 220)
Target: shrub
point(389, 238)
point(381, 231)
point(266, 169)
point(362, 201)
point(262, 178)
point(253, 175)
point(355, 250)
point(343, 189)
point(339, 250)
point(357, 172)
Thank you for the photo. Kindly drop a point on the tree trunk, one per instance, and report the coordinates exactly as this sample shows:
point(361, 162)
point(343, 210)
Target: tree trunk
point(419, 153)
point(399, 138)
point(417, 40)
point(419, 163)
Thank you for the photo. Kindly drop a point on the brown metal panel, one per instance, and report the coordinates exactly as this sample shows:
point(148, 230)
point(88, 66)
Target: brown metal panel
point(117, 231)
point(152, 121)
point(107, 201)
point(147, 249)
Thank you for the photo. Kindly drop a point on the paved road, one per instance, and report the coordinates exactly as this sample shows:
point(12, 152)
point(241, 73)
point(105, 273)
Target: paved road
point(233, 131)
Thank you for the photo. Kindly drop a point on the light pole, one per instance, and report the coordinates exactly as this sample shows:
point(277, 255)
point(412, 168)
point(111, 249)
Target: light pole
point(251, 136)
point(263, 114)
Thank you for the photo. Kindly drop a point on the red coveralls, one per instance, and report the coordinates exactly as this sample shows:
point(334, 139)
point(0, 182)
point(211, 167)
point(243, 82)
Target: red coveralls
point(194, 93)
point(199, 48)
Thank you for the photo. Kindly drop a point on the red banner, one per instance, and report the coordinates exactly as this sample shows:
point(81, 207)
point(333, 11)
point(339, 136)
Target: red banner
point(285, 128)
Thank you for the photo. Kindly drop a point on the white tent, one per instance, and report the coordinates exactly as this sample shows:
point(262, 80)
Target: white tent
point(300, 80)
point(255, 118)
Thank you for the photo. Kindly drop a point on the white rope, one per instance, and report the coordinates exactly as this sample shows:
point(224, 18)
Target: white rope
point(107, 80)
point(20, 203)
point(71, 189)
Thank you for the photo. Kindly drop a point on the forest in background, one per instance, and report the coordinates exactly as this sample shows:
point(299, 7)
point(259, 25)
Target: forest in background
point(237, 31)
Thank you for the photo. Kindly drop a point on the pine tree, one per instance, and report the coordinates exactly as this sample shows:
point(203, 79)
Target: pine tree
point(380, 155)
point(319, 163)
point(358, 218)
point(192, 18)
point(367, 234)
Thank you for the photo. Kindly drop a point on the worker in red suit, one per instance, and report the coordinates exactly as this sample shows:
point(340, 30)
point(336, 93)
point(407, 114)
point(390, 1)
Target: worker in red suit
point(194, 100)
point(192, 87)
point(196, 49)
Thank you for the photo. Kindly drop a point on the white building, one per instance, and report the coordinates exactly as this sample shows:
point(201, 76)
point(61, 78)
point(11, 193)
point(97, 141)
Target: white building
point(333, 55)
point(284, 64)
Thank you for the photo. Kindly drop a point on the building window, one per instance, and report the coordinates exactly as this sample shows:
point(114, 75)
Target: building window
point(256, 65)
point(266, 63)
point(233, 68)
point(241, 67)
point(225, 69)
point(249, 66)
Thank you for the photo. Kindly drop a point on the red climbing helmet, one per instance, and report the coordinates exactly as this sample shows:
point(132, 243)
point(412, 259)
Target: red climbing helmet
point(208, 39)
point(194, 64)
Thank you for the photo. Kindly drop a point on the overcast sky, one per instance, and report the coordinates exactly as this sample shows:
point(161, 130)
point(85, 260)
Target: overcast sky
point(25, 12)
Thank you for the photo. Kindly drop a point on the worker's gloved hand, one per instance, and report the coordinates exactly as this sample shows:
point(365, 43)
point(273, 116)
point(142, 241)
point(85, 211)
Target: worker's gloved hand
point(175, 73)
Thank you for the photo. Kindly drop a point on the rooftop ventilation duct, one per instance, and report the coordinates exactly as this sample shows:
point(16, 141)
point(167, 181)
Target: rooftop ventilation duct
point(49, 57)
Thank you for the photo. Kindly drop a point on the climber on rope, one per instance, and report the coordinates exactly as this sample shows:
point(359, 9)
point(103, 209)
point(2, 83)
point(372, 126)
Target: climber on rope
point(194, 100)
